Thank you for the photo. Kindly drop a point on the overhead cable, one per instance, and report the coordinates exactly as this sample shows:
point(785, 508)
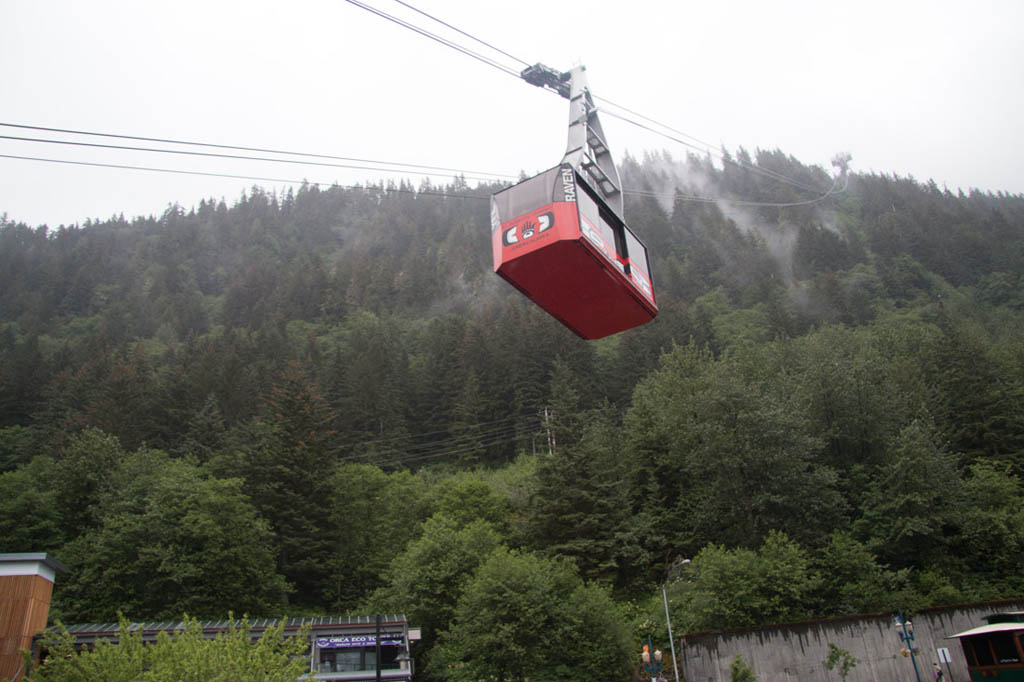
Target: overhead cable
point(305, 181)
point(468, 35)
point(831, 191)
point(433, 36)
point(219, 155)
point(706, 147)
point(233, 176)
point(264, 150)
point(382, 457)
point(391, 439)
point(754, 169)
point(386, 166)
point(401, 443)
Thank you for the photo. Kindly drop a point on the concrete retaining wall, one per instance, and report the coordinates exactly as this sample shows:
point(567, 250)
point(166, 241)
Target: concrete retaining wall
point(797, 652)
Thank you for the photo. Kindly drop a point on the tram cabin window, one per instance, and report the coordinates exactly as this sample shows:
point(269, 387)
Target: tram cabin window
point(599, 229)
point(989, 650)
point(1005, 648)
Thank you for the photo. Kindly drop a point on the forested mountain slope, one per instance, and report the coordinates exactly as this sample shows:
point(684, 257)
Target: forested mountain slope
point(293, 385)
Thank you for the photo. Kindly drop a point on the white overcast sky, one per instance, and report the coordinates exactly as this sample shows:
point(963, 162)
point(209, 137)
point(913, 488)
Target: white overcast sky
point(928, 88)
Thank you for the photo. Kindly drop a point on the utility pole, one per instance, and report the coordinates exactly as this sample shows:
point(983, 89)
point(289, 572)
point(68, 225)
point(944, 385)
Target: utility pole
point(376, 647)
point(671, 642)
point(668, 619)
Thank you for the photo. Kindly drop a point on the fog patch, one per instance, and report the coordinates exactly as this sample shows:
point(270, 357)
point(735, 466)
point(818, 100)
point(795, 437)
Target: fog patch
point(664, 177)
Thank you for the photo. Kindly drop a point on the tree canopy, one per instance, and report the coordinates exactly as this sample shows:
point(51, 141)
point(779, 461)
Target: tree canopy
point(324, 401)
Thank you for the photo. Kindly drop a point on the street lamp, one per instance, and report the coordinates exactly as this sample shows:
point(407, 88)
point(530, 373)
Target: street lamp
point(664, 595)
point(907, 637)
point(652, 662)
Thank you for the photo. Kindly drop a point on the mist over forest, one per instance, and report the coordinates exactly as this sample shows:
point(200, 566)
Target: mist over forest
point(324, 401)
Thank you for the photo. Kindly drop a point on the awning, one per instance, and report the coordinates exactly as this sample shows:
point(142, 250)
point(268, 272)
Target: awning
point(988, 629)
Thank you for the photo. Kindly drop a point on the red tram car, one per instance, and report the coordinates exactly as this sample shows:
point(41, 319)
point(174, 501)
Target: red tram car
point(557, 242)
point(559, 237)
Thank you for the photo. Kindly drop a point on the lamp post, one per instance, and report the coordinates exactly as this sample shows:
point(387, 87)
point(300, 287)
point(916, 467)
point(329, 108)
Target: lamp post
point(907, 637)
point(668, 619)
point(652, 662)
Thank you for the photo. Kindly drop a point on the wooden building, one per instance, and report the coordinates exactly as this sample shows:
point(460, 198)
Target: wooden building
point(26, 584)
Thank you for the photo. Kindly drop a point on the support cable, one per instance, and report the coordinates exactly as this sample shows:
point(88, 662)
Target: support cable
point(433, 36)
point(264, 150)
point(419, 170)
point(705, 147)
point(468, 35)
point(232, 176)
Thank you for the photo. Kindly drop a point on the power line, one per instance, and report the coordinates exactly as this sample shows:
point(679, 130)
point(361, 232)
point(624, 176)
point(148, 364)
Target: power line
point(706, 146)
point(264, 150)
point(75, 143)
point(306, 181)
point(393, 439)
point(459, 444)
point(468, 35)
point(742, 202)
point(381, 457)
point(219, 155)
point(480, 435)
point(383, 166)
point(433, 36)
point(400, 443)
point(754, 169)
point(496, 429)
point(233, 176)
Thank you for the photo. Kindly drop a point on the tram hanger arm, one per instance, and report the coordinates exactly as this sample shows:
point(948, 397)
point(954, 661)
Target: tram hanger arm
point(546, 77)
point(587, 150)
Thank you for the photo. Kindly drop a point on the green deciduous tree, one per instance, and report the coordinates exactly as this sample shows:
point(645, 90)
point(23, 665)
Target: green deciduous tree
point(427, 579)
point(30, 520)
point(990, 521)
point(723, 455)
point(186, 655)
point(852, 580)
point(169, 540)
point(79, 474)
point(467, 496)
point(853, 401)
point(981, 407)
point(372, 516)
point(728, 588)
point(523, 617)
point(911, 505)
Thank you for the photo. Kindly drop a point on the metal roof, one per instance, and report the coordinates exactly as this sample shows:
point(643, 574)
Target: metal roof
point(41, 557)
point(987, 629)
point(1006, 617)
point(255, 625)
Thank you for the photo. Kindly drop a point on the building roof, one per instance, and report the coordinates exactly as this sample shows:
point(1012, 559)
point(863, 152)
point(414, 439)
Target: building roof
point(261, 624)
point(988, 629)
point(255, 625)
point(39, 557)
point(1006, 617)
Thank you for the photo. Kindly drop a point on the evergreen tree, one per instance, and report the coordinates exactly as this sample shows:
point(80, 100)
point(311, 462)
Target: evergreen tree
point(578, 508)
point(288, 475)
